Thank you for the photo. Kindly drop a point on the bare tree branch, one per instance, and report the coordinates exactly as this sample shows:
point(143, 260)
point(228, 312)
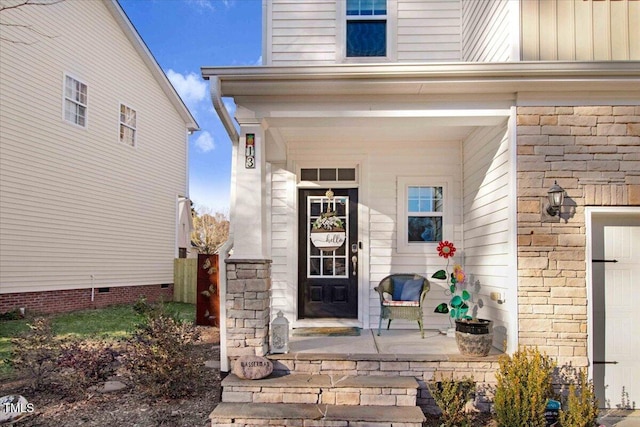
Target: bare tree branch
point(21, 4)
point(30, 3)
point(210, 231)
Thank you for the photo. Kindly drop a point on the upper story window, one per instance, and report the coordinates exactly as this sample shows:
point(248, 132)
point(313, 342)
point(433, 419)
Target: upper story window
point(366, 28)
point(127, 125)
point(75, 101)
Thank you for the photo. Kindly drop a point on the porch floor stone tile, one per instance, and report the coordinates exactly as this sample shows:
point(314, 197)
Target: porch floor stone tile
point(391, 345)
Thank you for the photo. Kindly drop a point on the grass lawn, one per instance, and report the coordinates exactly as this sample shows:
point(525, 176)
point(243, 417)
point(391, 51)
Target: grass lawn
point(114, 322)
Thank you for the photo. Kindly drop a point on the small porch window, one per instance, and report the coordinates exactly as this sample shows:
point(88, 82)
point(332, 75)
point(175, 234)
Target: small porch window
point(422, 214)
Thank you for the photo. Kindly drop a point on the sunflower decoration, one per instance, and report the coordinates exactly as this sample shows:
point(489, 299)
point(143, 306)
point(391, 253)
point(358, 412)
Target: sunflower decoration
point(457, 306)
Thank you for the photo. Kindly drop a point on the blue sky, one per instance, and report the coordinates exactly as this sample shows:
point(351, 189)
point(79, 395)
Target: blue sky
point(183, 36)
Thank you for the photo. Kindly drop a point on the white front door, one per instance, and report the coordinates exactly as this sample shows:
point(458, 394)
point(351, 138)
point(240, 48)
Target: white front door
point(616, 309)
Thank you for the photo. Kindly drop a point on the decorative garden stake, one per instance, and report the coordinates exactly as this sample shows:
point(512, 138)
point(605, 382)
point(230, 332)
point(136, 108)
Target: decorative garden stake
point(457, 306)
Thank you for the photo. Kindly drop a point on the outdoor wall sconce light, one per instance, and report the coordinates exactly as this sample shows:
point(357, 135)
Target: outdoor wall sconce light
point(555, 196)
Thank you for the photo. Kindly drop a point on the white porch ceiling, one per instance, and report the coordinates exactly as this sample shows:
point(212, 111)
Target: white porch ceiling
point(379, 129)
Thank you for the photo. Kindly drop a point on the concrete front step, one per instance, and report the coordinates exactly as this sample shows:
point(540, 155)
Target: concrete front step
point(322, 389)
point(309, 415)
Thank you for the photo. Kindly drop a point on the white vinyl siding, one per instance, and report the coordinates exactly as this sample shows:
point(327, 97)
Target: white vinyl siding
point(301, 31)
point(308, 31)
point(429, 31)
point(486, 221)
point(71, 205)
point(283, 216)
point(581, 30)
point(486, 35)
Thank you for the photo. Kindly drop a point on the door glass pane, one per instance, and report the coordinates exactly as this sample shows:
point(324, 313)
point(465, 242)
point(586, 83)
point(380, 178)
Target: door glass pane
point(327, 263)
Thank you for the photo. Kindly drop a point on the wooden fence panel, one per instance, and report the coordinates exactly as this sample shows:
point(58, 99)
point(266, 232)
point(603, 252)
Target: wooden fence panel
point(185, 277)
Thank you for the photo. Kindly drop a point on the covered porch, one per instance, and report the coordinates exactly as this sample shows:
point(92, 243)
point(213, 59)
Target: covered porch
point(435, 346)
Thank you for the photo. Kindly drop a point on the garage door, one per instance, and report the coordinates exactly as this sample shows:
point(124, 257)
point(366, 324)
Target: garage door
point(616, 291)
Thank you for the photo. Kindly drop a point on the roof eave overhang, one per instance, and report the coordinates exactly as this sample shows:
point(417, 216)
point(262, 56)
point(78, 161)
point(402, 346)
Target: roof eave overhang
point(426, 79)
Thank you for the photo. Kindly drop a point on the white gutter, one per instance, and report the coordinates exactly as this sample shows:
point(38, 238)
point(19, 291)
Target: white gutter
point(518, 69)
point(218, 105)
point(223, 252)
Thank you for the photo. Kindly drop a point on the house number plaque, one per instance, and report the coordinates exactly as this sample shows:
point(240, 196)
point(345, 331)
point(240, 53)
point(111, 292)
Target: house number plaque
point(250, 151)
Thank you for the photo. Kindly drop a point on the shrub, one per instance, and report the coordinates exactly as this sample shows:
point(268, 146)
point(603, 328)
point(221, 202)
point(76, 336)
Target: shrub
point(581, 405)
point(35, 354)
point(451, 396)
point(524, 384)
point(159, 356)
point(85, 363)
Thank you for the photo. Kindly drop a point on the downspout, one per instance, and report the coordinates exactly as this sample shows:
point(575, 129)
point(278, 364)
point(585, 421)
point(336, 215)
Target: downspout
point(223, 252)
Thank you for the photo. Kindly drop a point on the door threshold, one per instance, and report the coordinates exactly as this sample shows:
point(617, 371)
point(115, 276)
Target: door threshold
point(326, 322)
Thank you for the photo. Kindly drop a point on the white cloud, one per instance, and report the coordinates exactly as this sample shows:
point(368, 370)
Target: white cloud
point(191, 88)
point(205, 142)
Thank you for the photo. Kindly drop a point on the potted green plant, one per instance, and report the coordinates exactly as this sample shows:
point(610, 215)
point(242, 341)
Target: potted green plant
point(473, 335)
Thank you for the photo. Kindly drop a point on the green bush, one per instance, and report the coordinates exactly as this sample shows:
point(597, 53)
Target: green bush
point(580, 405)
point(35, 354)
point(451, 396)
point(160, 356)
point(524, 384)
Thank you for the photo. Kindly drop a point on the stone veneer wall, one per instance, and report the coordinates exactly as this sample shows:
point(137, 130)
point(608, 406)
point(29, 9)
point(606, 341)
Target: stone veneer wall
point(248, 312)
point(594, 154)
point(482, 369)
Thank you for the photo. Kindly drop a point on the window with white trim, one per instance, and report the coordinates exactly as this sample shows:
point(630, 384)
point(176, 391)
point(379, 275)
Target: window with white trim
point(127, 125)
point(75, 101)
point(366, 28)
point(422, 213)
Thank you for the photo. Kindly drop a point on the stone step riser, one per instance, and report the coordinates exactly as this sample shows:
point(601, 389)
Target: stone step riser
point(330, 396)
point(308, 423)
point(306, 415)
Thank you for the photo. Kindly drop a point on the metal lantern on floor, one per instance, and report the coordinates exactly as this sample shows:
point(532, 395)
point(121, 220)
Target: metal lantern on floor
point(280, 334)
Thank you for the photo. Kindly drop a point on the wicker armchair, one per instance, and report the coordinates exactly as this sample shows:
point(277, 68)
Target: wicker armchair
point(398, 309)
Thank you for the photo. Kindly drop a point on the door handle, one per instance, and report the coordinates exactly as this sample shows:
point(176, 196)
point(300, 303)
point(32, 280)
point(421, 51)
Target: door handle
point(354, 260)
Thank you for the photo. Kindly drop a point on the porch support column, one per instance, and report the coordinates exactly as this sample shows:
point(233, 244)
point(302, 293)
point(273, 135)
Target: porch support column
point(248, 291)
point(250, 213)
point(247, 299)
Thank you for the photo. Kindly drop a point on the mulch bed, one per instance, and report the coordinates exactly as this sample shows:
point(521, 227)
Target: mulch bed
point(129, 407)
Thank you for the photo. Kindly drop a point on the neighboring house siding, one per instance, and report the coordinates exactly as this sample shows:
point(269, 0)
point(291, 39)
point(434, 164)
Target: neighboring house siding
point(301, 31)
point(486, 35)
point(593, 154)
point(76, 202)
point(580, 30)
point(429, 31)
point(486, 204)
